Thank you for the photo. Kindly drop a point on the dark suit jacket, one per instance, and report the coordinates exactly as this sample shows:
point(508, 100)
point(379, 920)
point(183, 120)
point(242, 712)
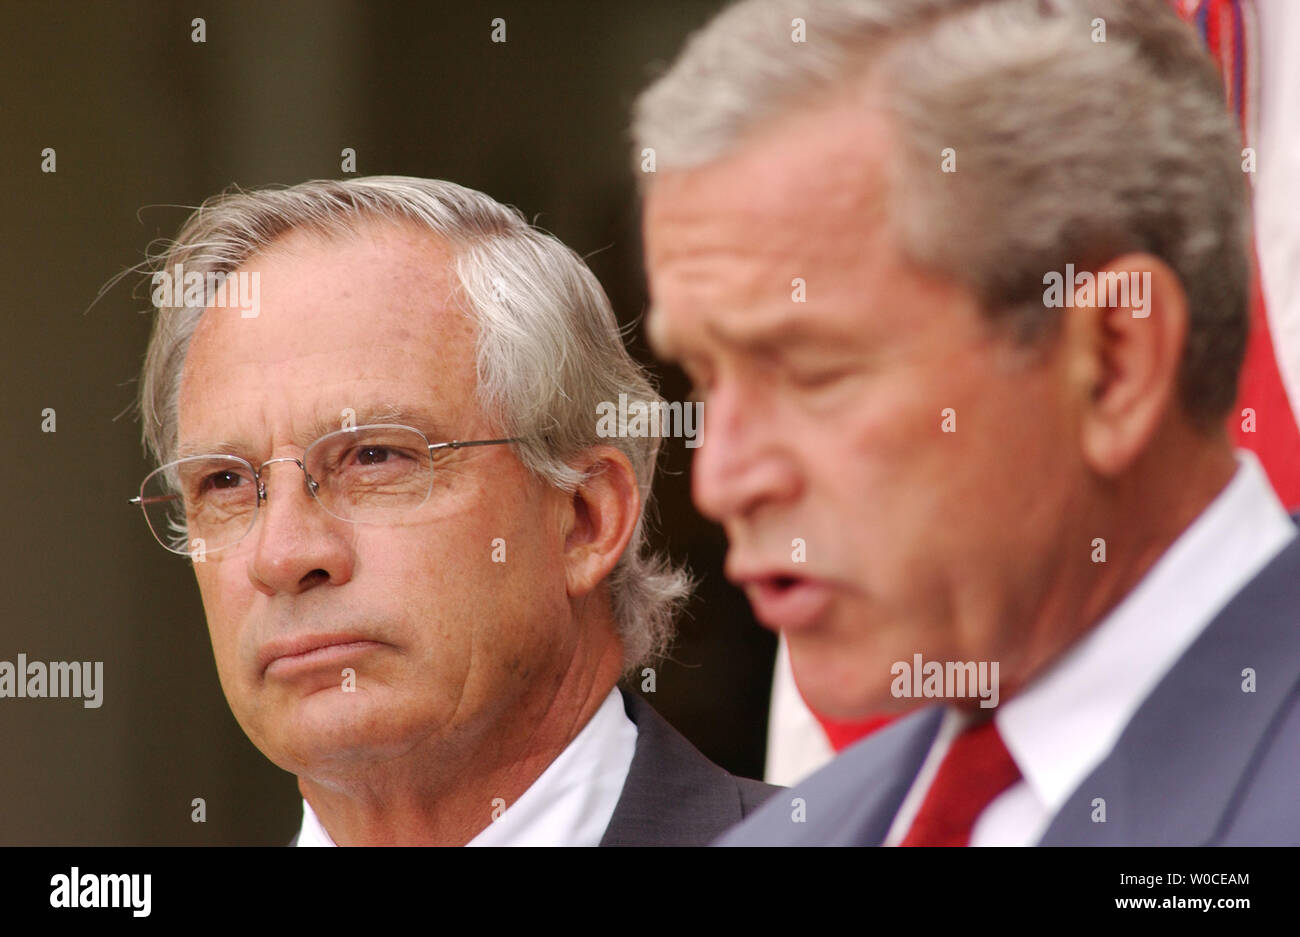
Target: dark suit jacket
point(673, 795)
point(1202, 761)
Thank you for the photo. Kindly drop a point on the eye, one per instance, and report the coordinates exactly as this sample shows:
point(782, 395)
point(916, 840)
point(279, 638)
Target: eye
point(817, 378)
point(221, 481)
point(373, 455)
point(820, 379)
point(377, 456)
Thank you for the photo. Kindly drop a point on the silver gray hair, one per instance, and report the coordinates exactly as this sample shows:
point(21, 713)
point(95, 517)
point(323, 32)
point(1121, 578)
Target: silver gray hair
point(1070, 150)
point(549, 349)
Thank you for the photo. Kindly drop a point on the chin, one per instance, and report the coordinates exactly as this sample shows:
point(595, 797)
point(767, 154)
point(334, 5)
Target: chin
point(851, 703)
point(842, 687)
point(334, 730)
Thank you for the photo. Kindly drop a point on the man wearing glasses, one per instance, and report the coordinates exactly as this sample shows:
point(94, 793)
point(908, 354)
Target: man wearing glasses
point(423, 570)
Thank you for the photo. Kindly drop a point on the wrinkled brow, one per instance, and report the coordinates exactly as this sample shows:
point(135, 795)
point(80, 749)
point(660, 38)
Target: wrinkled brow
point(419, 417)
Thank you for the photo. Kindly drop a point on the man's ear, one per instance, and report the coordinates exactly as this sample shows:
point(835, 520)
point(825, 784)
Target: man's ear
point(602, 515)
point(1126, 342)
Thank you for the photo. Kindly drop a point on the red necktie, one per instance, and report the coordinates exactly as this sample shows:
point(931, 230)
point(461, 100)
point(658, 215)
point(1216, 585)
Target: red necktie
point(976, 769)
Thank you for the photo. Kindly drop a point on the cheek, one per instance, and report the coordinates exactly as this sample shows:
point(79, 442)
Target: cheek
point(223, 588)
point(501, 556)
point(889, 453)
point(985, 492)
point(935, 465)
point(503, 606)
point(219, 587)
point(526, 565)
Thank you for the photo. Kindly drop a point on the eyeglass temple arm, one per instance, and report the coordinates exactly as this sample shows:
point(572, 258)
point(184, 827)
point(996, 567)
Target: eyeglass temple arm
point(458, 444)
point(154, 500)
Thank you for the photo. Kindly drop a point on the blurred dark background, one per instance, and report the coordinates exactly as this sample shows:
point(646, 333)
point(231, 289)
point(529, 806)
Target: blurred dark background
point(144, 122)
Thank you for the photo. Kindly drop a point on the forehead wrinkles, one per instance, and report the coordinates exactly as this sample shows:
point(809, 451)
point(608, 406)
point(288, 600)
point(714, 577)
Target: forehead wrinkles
point(727, 250)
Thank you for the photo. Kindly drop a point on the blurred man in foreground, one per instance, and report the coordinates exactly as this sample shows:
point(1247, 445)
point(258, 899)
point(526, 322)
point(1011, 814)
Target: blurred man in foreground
point(423, 569)
point(965, 284)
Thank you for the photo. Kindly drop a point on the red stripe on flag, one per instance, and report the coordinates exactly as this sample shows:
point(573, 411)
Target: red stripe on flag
point(1275, 437)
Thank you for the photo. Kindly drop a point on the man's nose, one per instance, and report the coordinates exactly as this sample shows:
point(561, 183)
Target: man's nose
point(743, 461)
point(297, 543)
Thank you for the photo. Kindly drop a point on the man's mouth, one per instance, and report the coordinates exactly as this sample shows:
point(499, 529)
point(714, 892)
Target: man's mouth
point(286, 656)
point(785, 601)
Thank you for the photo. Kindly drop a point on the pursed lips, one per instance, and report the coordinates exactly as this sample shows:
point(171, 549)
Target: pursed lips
point(299, 647)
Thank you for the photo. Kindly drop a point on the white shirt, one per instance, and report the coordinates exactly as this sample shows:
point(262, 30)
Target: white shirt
point(570, 803)
point(796, 742)
point(1066, 721)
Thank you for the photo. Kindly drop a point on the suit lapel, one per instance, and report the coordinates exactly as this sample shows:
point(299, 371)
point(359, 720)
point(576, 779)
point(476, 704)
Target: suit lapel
point(672, 794)
point(1173, 775)
point(882, 768)
point(851, 801)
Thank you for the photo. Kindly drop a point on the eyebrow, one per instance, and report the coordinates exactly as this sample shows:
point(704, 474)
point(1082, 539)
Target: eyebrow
point(764, 338)
point(419, 417)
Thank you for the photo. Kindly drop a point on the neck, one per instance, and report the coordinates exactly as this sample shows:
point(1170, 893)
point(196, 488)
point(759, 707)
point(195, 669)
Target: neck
point(1139, 516)
point(444, 792)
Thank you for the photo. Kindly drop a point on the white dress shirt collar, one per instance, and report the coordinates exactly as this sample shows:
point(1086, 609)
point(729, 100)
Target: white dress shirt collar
point(570, 803)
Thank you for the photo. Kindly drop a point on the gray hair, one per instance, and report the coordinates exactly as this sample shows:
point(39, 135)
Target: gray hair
point(1071, 150)
point(548, 348)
